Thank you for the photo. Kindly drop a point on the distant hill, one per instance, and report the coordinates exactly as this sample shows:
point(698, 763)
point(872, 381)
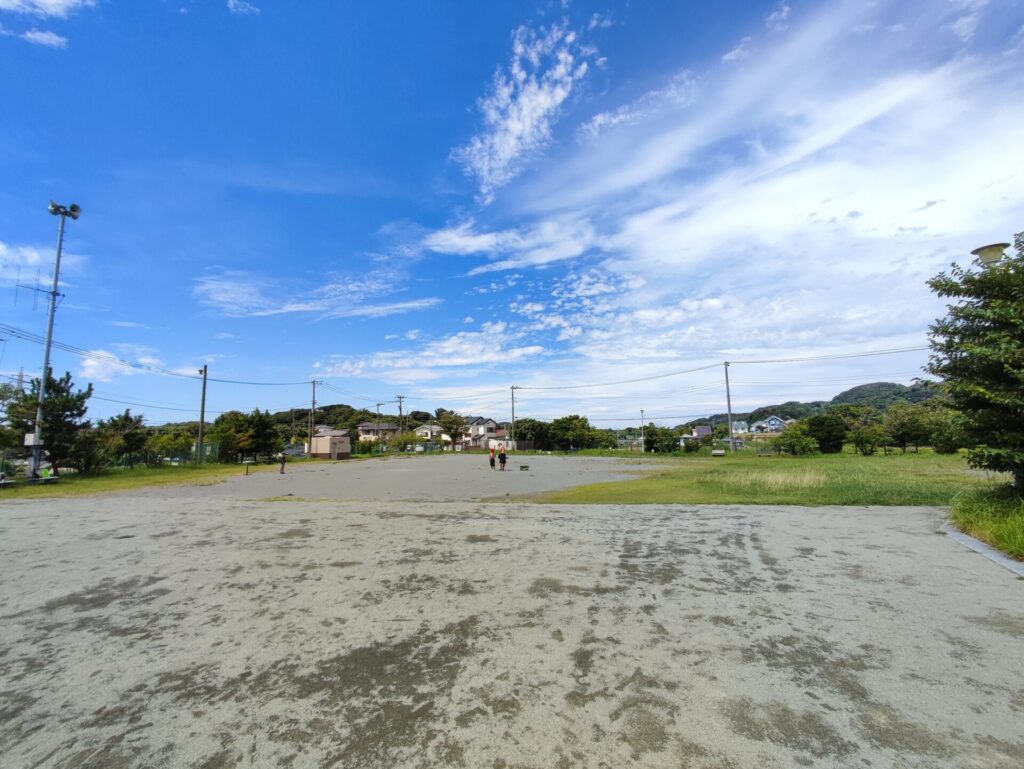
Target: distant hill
point(880, 395)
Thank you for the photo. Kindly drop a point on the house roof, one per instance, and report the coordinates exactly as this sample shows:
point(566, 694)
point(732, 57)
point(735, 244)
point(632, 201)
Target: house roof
point(374, 425)
point(329, 432)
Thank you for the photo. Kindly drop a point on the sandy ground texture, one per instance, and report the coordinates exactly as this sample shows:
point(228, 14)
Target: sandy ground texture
point(198, 631)
point(457, 477)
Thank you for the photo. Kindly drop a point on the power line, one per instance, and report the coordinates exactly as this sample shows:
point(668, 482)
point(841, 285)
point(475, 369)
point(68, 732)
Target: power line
point(626, 381)
point(868, 354)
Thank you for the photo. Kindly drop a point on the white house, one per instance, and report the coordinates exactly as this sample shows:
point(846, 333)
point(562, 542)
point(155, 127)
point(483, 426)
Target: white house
point(772, 424)
point(375, 431)
point(429, 432)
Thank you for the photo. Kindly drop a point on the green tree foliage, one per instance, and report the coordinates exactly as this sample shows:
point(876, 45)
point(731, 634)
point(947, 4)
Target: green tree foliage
point(535, 431)
point(417, 418)
point(570, 432)
point(978, 350)
point(864, 427)
point(243, 435)
point(882, 395)
point(90, 451)
point(660, 440)
point(451, 425)
point(795, 440)
point(123, 435)
point(63, 409)
point(947, 430)
point(169, 444)
point(907, 425)
point(828, 430)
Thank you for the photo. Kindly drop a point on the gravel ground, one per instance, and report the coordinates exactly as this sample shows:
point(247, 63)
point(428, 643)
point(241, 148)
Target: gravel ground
point(196, 628)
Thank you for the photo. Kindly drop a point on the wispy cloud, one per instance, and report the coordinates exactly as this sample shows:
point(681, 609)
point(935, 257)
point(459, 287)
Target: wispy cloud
point(493, 343)
point(778, 19)
point(127, 324)
point(57, 8)
point(242, 8)
point(99, 368)
point(740, 52)
point(44, 38)
point(523, 104)
point(678, 92)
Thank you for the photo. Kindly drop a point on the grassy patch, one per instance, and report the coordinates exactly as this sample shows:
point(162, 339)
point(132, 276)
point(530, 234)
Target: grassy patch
point(843, 479)
point(72, 484)
point(994, 515)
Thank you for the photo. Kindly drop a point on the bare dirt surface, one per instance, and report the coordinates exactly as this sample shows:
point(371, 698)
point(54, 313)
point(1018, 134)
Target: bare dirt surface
point(181, 628)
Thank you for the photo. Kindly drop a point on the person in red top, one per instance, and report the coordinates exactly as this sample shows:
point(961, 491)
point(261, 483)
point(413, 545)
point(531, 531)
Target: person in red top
point(492, 457)
point(501, 456)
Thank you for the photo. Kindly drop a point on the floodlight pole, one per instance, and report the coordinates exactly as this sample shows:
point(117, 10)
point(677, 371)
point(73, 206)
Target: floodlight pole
point(37, 433)
point(728, 407)
point(380, 440)
point(643, 449)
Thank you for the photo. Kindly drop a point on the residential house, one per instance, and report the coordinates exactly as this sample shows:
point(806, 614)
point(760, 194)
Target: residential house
point(697, 433)
point(329, 443)
point(429, 432)
point(772, 424)
point(375, 431)
point(739, 426)
point(478, 431)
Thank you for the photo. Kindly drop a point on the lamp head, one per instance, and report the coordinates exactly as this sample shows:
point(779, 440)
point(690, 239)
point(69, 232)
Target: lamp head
point(75, 211)
point(53, 208)
point(990, 254)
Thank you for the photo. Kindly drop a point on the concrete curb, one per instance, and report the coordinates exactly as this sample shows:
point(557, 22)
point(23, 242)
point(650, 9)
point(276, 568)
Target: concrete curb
point(986, 550)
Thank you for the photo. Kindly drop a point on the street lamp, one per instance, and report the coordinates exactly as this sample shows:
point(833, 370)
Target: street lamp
point(35, 440)
point(990, 254)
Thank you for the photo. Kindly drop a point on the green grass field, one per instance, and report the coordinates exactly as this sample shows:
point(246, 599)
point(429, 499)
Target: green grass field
point(838, 479)
point(992, 515)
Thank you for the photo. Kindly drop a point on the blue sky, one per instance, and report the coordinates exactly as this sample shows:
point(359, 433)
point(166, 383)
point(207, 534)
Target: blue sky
point(443, 200)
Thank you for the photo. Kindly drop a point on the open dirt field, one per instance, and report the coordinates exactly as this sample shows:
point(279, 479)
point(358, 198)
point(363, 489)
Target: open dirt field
point(200, 628)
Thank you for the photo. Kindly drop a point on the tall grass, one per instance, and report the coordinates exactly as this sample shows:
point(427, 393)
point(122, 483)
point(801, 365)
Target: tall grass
point(844, 479)
point(994, 515)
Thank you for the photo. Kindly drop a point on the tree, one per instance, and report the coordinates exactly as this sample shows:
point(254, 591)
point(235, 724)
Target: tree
point(533, 431)
point(864, 427)
point(123, 435)
point(90, 451)
point(795, 440)
point(660, 439)
point(978, 350)
point(906, 424)
point(264, 437)
point(828, 430)
point(231, 431)
point(170, 444)
point(451, 425)
point(63, 408)
point(570, 432)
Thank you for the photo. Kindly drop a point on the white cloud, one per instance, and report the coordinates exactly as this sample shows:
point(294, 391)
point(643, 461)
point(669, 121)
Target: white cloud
point(240, 294)
point(778, 18)
point(796, 206)
point(98, 366)
point(740, 52)
point(127, 324)
point(523, 104)
point(599, 21)
point(242, 8)
point(474, 350)
point(679, 92)
point(966, 26)
point(58, 8)
point(45, 38)
point(551, 240)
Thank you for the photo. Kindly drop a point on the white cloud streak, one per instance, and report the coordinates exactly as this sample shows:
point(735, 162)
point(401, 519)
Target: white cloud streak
point(523, 104)
point(43, 8)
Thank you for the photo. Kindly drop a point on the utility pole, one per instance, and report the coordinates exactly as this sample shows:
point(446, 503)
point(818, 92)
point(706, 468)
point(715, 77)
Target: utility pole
point(37, 433)
point(401, 417)
point(514, 388)
point(642, 448)
point(202, 417)
point(380, 439)
point(312, 419)
point(728, 407)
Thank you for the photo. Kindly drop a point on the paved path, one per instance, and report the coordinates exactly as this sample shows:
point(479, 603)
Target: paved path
point(190, 631)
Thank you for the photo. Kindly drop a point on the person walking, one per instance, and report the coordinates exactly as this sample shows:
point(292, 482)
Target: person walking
point(501, 456)
point(491, 457)
point(281, 458)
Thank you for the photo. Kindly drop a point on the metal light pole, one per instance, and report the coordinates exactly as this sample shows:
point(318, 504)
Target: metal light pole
point(514, 388)
point(202, 417)
point(643, 448)
point(37, 435)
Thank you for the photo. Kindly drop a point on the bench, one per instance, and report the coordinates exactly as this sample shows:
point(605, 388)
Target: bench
point(43, 479)
point(718, 452)
point(6, 482)
point(524, 467)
